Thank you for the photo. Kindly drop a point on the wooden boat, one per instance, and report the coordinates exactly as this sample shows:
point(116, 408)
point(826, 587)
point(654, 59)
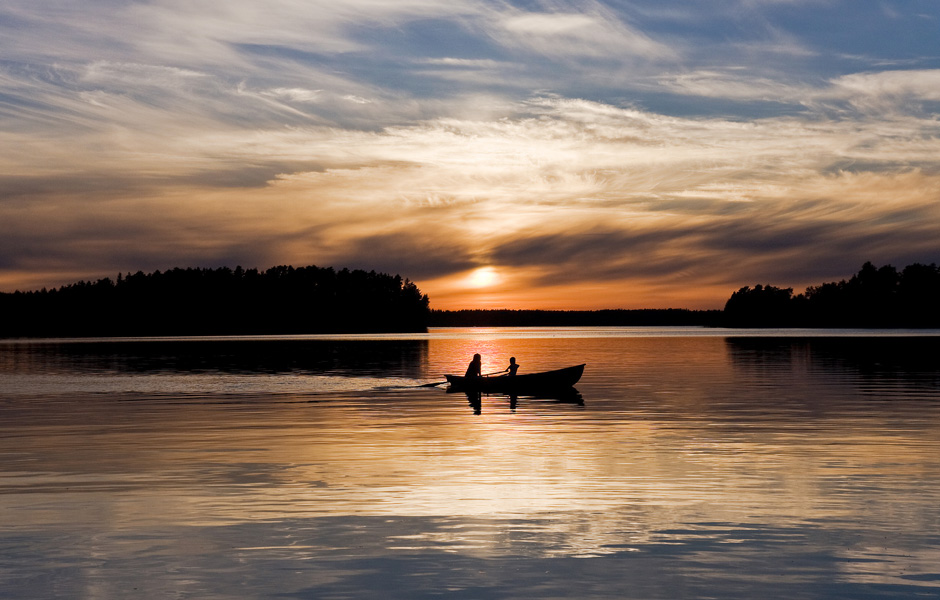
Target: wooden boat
point(559, 379)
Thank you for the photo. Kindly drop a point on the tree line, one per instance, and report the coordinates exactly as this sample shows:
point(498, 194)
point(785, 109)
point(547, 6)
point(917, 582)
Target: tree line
point(288, 300)
point(876, 297)
point(222, 301)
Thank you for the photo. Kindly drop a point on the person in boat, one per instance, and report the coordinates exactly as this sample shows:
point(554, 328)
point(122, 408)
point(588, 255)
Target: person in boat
point(512, 368)
point(475, 368)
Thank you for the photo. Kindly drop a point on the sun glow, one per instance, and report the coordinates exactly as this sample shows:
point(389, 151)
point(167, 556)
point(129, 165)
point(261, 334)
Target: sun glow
point(483, 277)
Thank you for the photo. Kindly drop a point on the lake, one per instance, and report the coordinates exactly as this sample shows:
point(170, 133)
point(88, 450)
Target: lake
point(689, 463)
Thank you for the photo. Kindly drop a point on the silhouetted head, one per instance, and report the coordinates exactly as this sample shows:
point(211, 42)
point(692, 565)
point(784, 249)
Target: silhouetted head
point(512, 360)
point(476, 357)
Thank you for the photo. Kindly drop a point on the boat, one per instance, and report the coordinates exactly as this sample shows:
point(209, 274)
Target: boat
point(559, 379)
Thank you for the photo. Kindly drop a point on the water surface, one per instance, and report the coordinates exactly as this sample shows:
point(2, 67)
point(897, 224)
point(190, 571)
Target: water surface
point(689, 463)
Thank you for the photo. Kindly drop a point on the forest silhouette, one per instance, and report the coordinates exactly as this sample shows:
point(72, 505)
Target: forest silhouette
point(288, 300)
point(223, 301)
point(875, 297)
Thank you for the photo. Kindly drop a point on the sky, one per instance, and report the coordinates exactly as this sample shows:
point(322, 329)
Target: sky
point(554, 155)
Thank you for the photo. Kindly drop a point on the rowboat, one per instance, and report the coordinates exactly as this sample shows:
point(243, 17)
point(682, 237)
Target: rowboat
point(558, 379)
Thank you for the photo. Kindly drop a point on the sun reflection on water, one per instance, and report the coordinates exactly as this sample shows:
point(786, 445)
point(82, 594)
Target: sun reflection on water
point(729, 452)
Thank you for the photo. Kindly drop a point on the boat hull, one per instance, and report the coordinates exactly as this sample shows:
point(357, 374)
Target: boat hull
point(559, 379)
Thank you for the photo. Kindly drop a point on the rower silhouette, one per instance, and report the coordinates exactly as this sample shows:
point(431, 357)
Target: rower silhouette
point(475, 368)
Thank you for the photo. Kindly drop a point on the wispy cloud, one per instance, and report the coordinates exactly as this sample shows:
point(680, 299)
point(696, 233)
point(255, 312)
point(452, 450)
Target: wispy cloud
point(565, 187)
point(887, 90)
point(637, 151)
point(595, 33)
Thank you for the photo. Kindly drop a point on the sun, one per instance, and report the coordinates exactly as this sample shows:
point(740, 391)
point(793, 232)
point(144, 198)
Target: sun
point(483, 277)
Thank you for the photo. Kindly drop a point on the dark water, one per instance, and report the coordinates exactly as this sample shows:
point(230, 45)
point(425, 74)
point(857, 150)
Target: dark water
point(689, 464)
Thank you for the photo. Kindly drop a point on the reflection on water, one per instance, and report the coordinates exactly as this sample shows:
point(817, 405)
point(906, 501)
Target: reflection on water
point(682, 466)
point(511, 401)
point(386, 358)
point(911, 363)
point(208, 365)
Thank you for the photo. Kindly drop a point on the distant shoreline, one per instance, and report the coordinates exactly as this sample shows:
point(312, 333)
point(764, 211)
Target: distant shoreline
point(284, 300)
point(651, 317)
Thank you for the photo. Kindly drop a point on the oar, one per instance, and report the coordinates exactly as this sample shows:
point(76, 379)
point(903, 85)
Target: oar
point(437, 383)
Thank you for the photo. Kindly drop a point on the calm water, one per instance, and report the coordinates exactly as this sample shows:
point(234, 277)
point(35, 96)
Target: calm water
point(690, 464)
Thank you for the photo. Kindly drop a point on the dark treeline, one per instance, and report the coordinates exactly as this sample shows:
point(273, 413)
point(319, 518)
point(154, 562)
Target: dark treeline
point(288, 300)
point(873, 297)
point(220, 301)
point(559, 318)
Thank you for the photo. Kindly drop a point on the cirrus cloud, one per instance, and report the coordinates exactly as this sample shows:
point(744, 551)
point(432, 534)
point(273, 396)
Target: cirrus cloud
point(641, 152)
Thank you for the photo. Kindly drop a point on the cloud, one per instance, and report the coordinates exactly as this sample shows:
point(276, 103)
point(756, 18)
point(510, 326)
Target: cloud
point(612, 147)
point(824, 228)
point(887, 90)
point(878, 93)
point(734, 85)
point(594, 32)
point(466, 63)
point(563, 190)
point(420, 255)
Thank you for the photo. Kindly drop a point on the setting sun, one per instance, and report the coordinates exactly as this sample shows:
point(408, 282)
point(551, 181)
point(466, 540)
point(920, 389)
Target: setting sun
point(483, 277)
